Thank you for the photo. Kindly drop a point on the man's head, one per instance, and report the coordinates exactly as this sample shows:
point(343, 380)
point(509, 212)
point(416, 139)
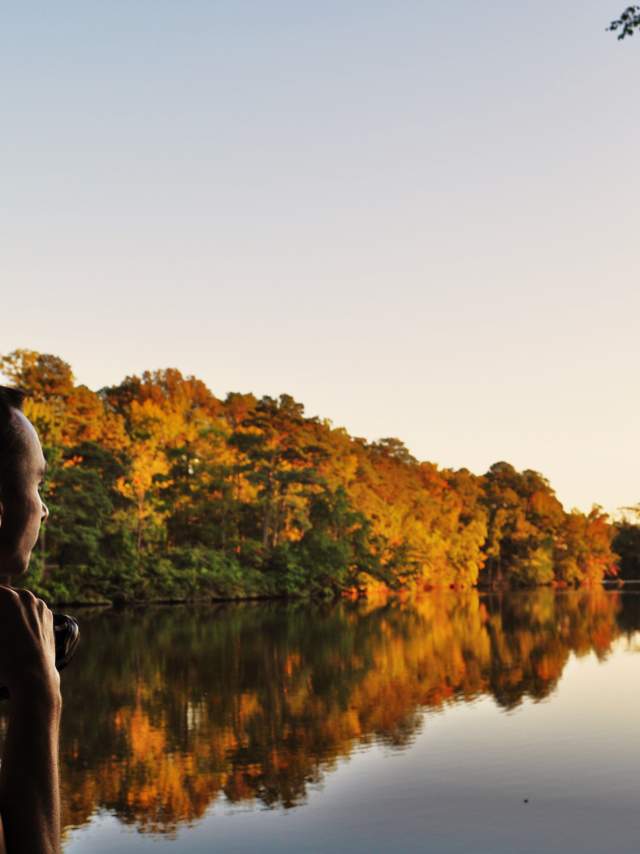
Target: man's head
point(22, 467)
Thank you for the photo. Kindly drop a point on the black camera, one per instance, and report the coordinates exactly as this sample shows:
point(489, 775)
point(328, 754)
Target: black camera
point(67, 634)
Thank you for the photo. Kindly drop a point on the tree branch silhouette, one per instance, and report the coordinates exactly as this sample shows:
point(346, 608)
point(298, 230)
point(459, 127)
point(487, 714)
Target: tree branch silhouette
point(627, 23)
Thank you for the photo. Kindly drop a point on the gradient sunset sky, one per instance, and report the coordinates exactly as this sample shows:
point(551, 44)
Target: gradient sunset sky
point(418, 218)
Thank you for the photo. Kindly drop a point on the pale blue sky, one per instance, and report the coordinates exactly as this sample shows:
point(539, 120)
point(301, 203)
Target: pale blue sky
point(419, 218)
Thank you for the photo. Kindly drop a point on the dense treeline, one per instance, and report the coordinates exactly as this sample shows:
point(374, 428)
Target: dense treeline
point(159, 489)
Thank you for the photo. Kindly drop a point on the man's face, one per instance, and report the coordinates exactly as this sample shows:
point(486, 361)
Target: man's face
point(21, 508)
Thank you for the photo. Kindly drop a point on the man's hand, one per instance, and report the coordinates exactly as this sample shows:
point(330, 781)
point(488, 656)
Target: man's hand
point(27, 645)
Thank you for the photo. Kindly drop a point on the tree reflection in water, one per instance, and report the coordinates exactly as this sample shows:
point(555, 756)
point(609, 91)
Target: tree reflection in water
point(169, 709)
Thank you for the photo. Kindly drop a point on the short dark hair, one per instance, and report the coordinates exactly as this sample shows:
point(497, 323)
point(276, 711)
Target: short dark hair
point(10, 399)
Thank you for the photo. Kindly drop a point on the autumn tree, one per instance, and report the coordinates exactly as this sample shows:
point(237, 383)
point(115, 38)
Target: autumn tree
point(159, 489)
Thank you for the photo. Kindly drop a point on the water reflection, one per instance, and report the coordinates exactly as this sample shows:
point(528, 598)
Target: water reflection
point(169, 709)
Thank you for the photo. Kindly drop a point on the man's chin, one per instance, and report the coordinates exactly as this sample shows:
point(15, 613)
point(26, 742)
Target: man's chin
point(15, 566)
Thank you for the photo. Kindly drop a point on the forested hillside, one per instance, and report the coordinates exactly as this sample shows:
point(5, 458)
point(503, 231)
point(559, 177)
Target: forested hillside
point(158, 489)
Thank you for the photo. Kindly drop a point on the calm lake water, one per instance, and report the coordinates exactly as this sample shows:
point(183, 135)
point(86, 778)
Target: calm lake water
point(457, 723)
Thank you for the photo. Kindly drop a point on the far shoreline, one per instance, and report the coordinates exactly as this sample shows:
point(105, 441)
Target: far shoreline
point(122, 603)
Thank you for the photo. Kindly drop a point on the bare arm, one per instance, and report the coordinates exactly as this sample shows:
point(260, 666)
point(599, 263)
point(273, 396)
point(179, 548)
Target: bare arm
point(29, 784)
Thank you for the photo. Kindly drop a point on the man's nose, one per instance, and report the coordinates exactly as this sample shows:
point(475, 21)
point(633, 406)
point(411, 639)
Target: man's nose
point(45, 512)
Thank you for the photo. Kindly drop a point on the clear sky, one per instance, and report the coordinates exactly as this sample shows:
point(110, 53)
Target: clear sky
point(419, 218)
